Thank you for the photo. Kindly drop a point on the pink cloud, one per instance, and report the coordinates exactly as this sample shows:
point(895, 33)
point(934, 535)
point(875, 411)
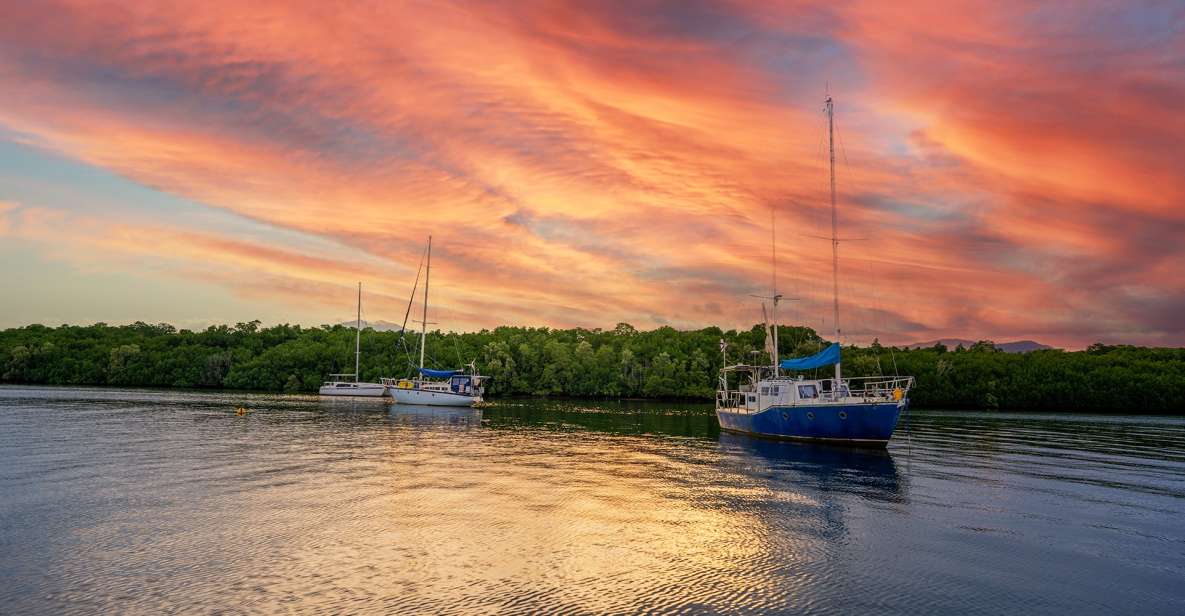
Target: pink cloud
point(581, 165)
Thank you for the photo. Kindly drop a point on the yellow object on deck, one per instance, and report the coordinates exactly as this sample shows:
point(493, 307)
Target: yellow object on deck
point(898, 394)
point(241, 411)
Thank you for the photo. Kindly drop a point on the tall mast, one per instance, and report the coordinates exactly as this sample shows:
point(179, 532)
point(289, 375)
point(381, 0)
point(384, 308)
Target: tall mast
point(358, 337)
point(834, 229)
point(424, 323)
point(773, 284)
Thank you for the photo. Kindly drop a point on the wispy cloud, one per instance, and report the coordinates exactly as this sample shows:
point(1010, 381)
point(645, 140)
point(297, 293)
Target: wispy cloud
point(1010, 169)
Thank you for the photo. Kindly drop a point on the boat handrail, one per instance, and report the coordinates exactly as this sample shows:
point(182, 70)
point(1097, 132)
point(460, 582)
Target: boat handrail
point(868, 388)
point(730, 399)
point(744, 368)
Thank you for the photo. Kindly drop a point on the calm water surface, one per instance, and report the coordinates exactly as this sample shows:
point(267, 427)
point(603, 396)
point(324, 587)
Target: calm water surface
point(119, 501)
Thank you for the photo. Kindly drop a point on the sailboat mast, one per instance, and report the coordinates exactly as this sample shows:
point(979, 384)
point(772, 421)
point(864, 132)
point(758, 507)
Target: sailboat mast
point(424, 323)
point(834, 230)
point(358, 337)
point(773, 285)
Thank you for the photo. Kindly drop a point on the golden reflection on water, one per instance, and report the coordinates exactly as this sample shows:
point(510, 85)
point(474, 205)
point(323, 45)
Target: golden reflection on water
point(604, 522)
point(438, 511)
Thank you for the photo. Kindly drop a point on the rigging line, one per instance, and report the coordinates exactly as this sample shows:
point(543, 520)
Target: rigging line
point(457, 346)
point(908, 441)
point(842, 149)
point(847, 166)
point(412, 299)
point(773, 251)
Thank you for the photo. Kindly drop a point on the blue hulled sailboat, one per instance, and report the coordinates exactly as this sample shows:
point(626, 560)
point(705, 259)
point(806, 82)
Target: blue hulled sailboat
point(765, 402)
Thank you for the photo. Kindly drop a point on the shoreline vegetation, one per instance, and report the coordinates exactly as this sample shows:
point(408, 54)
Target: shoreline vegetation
point(617, 363)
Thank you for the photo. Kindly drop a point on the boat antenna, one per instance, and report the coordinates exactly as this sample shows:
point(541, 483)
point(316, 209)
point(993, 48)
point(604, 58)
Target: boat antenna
point(771, 323)
point(358, 336)
point(834, 229)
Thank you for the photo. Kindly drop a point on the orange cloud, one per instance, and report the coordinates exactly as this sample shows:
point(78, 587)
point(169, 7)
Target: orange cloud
point(1010, 173)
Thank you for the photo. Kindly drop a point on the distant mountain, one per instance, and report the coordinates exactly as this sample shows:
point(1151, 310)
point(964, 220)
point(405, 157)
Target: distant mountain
point(1022, 346)
point(1019, 346)
point(380, 325)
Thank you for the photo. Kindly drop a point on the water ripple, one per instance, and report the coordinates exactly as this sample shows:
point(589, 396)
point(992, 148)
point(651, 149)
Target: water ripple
point(158, 502)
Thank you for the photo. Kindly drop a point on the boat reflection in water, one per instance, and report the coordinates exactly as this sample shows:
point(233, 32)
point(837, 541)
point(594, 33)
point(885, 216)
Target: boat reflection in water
point(350, 404)
point(422, 415)
point(869, 473)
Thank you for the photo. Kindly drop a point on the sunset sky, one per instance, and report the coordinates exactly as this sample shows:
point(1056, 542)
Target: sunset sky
point(1005, 170)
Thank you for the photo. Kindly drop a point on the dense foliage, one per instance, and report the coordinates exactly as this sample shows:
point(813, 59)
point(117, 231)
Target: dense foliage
point(621, 362)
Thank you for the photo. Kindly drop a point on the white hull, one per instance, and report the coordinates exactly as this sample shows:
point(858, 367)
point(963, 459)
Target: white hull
point(354, 390)
point(432, 398)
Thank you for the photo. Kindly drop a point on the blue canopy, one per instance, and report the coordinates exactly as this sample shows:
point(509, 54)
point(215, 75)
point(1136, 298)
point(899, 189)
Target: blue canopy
point(439, 373)
point(827, 357)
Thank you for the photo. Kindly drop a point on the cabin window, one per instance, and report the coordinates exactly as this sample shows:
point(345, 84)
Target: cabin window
point(765, 391)
point(343, 384)
point(826, 385)
point(807, 391)
point(773, 391)
point(752, 398)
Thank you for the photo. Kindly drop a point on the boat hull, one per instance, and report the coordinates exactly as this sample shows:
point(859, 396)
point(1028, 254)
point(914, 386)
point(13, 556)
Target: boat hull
point(859, 424)
point(362, 390)
point(432, 398)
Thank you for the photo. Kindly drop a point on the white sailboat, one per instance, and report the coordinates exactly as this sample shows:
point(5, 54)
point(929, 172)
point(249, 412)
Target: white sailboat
point(436, 387)
point(338, 386)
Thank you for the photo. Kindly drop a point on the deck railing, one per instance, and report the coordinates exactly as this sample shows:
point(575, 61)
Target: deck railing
point(864, 388)
point(730, 399)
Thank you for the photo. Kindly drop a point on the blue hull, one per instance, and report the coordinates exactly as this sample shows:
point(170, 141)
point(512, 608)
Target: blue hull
point(849, 424)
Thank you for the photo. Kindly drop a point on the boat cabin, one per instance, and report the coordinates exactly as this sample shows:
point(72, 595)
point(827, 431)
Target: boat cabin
point(786, 392)
point(464, 384)
point(759, 389)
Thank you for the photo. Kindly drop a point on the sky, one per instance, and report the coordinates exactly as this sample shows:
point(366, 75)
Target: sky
point(1004, 170)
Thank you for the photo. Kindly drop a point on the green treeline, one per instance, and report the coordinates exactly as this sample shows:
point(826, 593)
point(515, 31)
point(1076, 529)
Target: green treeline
point(620, 362)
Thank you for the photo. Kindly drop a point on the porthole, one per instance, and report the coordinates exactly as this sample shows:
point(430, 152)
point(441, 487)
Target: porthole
point(785, 416)
point(810, 415)
point(843, 415)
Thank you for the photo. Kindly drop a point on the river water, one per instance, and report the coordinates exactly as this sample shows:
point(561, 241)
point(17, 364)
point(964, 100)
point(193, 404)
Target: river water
point(131, 501)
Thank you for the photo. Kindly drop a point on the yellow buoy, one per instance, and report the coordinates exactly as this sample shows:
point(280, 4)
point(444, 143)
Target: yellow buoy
point(241, 411)
point(898, 394)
